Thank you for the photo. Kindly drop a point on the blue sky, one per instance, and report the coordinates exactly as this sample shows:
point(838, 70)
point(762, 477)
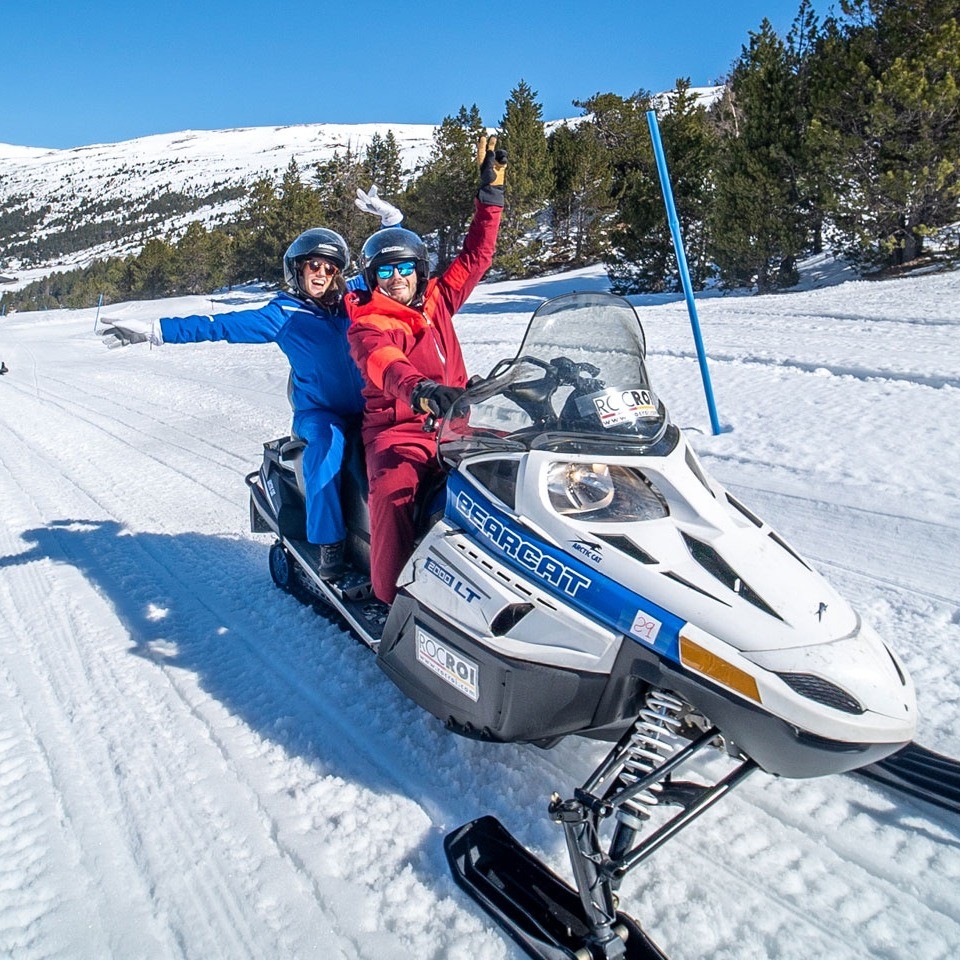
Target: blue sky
point(102, 71)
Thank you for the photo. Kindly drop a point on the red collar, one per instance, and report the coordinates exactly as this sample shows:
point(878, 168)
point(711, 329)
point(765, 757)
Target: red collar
point(380, 303)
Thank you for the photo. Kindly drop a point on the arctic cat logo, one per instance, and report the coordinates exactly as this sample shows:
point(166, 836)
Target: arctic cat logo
point(622, 406)
point(451, 667)
point(526, 554)
point(453, 582)
point(590, 549)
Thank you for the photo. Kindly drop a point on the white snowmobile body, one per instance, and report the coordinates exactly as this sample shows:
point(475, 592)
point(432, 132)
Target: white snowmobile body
point(584, 557)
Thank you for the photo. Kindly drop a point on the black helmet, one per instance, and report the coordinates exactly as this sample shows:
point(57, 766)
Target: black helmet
point(318, 242)
point(394, 245)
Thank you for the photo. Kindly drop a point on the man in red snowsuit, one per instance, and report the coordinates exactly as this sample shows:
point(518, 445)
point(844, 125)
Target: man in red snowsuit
point(402, 337)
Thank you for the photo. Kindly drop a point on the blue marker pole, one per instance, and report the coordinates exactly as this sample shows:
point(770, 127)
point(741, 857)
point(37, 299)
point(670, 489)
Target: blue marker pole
point(682, 264)
point(96, 319)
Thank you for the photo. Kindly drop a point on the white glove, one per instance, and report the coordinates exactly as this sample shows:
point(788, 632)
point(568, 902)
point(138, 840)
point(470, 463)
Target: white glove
point(369, 202)
point(121, 333)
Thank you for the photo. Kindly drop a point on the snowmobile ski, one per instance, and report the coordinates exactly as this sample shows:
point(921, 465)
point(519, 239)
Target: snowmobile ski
point(921, 773)
point(538, 910)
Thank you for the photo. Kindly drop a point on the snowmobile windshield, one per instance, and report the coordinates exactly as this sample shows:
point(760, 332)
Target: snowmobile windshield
point(578, 384)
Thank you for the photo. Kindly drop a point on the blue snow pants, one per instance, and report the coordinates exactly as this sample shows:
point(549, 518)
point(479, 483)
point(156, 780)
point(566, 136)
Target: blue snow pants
point(322, 459)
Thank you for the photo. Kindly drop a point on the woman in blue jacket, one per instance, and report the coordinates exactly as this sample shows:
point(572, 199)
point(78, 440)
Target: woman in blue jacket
point(309, 325)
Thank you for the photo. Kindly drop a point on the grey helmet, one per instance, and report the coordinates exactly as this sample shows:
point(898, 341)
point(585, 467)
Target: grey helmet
point(394, 245)
point(318, 242)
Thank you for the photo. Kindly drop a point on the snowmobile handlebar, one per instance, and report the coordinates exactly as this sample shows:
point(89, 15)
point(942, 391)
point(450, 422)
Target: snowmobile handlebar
point(533, 396)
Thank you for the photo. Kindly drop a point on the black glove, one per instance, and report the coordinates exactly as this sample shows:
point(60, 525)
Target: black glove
point(493, 169)
point(434, 398)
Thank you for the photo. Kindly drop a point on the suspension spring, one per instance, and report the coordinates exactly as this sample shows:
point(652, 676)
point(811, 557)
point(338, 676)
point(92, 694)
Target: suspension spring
point(654, 740)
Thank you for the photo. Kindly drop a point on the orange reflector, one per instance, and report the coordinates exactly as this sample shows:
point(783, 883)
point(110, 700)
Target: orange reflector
point(710, 665)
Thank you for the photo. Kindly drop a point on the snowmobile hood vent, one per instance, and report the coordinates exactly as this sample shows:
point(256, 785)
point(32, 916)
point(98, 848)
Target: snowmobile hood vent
point(714, 564)
point(822, 691)
point(627, 546)
point(670, 575)
point(509, 617)
point(786, 546)
point(752, 517)
point(499, 477)
point(696, 471)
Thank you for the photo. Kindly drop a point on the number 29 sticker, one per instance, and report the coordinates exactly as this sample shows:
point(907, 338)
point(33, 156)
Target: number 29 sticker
point(645, 627)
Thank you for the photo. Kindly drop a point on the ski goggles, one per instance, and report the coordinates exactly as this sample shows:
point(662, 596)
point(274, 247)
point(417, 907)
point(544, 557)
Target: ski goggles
point(385, 272)
point(330, 269)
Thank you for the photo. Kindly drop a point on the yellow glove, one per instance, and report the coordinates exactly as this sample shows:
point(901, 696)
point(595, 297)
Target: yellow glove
point(493, 168)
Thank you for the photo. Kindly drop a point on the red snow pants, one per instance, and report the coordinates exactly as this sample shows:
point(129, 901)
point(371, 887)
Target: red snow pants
point(399, 459)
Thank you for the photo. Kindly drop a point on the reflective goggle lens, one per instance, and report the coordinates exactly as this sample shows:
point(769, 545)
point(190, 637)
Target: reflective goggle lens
point(385, 272)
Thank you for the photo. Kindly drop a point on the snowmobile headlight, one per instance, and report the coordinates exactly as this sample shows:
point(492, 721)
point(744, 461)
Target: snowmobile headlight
point(607, 492)
point(579, 487)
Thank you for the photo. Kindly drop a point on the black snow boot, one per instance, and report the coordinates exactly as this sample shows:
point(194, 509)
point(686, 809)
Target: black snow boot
point(331, 564)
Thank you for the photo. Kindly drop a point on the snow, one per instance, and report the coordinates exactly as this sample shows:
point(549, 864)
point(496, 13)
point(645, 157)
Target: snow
point(193, 765)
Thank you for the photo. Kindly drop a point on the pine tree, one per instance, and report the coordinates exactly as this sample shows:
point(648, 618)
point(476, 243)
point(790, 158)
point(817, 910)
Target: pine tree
point(618, 144)
point(298, 208)
point(440, 202)
point(337, 181)
point(149, 274)
point(812, 189)
point(581, 199)
point(886, 115)
point(200, 262)
point(528, 181)
point(644, 258)
point(619, 136)
point(254, 242)
point(756, 226)
point(384, 169)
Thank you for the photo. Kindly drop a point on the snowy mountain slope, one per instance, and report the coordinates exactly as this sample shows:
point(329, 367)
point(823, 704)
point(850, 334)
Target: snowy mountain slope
point(117, 180)
point(193, 765)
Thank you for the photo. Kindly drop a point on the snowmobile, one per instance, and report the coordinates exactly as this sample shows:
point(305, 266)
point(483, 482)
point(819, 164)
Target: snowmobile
point(579, 572)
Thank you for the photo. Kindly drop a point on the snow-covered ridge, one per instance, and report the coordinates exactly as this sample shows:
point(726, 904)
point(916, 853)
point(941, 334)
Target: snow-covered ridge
point(210, 155)
point(124, 175)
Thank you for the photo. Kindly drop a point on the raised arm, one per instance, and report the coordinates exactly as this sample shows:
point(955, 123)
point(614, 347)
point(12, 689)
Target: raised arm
point(467, 270)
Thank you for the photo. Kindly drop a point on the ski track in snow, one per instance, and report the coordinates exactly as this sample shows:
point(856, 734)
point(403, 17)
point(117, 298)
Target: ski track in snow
point(860, 373)
point(194, 765)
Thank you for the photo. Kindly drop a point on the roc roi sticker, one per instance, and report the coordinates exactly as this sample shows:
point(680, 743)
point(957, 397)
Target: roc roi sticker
point(645, 627)
point(616, 407)
point(451, 667)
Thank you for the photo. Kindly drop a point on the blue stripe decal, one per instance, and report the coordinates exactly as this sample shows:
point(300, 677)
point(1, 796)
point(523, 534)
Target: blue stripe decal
point(595, 595)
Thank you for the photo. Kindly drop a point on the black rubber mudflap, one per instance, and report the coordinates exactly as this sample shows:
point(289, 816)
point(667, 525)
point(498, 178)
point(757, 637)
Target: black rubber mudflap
point(920, 773)
point(539, 911)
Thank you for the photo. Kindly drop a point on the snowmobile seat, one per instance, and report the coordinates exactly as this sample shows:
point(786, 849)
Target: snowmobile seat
point(291, 458)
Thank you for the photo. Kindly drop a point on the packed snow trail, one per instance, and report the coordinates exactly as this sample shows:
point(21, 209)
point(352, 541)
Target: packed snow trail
point(194, 765)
